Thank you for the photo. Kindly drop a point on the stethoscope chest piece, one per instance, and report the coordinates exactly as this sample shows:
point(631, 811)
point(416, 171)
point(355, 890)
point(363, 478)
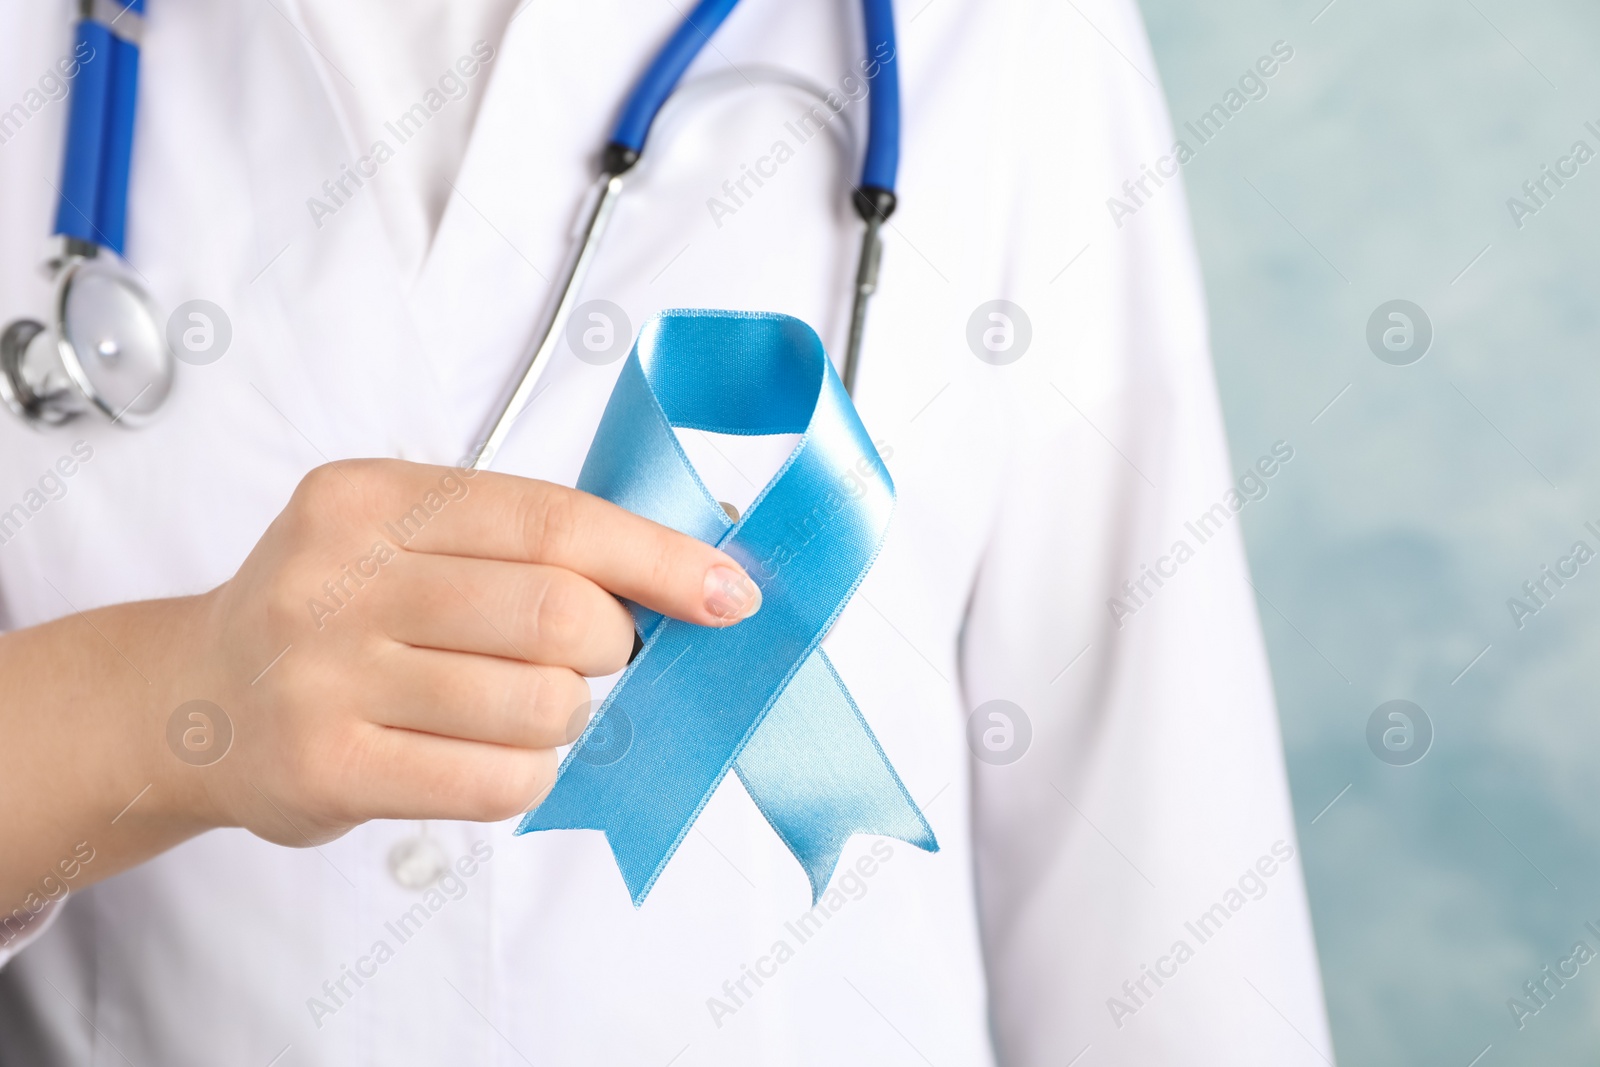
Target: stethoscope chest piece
point(104, 351)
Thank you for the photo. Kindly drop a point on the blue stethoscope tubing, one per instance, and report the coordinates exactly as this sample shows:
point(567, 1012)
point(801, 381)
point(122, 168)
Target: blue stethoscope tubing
point(93, 205)
point(101, 348)
point(874, 198)
point(47, 378)
point(883, 86)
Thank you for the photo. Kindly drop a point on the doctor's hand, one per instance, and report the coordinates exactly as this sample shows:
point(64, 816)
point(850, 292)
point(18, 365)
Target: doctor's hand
point(404, 642)
point(428, 632)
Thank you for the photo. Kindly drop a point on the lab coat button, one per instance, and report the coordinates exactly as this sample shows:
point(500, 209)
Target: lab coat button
point(418, 862)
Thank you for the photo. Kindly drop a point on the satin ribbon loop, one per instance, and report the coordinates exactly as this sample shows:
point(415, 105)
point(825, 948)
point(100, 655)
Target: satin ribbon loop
point(759, 698)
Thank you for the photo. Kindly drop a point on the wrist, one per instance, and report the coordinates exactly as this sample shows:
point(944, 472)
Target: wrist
point(168, 776)
point(86, 777)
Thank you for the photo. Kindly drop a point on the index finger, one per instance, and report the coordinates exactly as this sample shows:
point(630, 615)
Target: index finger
point(447, 511)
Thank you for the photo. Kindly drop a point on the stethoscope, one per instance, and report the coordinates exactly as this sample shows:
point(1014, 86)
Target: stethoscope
point(103, 348)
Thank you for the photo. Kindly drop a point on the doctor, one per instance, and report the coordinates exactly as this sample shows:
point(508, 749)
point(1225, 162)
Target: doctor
point(359, 209)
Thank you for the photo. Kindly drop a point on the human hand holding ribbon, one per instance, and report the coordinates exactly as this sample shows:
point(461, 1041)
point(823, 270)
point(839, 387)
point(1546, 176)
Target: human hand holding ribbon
point(760, 698)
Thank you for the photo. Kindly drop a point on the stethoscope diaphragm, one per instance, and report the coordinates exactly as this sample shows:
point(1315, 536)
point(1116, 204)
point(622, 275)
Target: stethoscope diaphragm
point(104, 350)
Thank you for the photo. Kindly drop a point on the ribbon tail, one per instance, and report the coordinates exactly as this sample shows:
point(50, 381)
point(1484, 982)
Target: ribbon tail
point(642, 791)
point(569, 808)
point(639, 857)
point(820, 777)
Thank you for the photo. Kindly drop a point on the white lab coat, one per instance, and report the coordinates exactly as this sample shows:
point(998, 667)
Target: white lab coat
point(1028, 494)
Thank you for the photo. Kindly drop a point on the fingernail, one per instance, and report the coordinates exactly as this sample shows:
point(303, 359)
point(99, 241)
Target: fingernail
point(731, 595)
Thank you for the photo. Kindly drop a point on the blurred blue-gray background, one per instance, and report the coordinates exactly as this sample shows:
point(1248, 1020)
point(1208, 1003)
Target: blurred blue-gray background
point(1377, 167)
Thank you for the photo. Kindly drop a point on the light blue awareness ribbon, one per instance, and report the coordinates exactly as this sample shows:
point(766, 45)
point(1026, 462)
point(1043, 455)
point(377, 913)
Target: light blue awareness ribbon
point(760, 697)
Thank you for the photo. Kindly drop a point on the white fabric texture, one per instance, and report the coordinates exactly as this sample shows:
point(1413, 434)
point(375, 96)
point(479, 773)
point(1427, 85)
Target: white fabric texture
point(20, 934)
point(384, 59)
point(1028, 493)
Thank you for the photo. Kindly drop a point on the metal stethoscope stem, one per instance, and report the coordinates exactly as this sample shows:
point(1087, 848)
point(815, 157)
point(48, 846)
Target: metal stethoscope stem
point(873, 196)
point(103, 349)
point(525, 381)
point(866, 284)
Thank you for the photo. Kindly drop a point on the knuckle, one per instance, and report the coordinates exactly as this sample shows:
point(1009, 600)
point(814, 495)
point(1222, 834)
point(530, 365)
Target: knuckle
point(558, 615)
point(667, 561)
point(549, 520)
point(283, 604)
point(338, 492)
point(509, 714)
point(296, 582)
point(322, 504)
point(539, 778)
point(507, 796)
point(324, 771)
point(323, 486)
point(491, 697)
point(561, 695)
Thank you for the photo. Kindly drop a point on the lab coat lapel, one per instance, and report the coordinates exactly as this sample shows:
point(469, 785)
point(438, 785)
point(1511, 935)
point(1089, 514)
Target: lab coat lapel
point(506, 232)
point(359, 384)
